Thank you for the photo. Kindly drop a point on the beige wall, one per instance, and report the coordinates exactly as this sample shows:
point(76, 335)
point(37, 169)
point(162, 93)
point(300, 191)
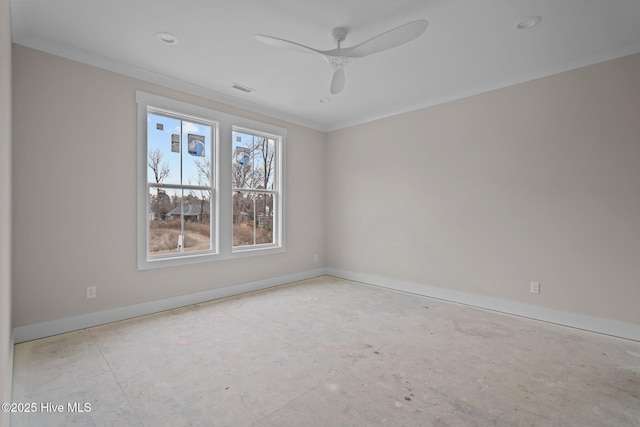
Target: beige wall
point(5, 207)
point(74, 182)
point(535, 182)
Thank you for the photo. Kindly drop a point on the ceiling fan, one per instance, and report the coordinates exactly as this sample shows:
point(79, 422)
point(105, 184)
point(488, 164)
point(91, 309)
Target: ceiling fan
point(339, 57)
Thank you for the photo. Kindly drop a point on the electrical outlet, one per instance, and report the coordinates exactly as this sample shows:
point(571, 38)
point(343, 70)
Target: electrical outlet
point(91, 292)
point(534, 287)
point(315, 258)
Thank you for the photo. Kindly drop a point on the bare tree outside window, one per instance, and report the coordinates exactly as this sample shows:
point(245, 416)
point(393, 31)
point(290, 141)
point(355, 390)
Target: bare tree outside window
point(204, 180)
point(160, 171)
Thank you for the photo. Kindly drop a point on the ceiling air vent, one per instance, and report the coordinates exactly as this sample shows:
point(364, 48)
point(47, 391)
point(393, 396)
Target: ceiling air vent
point(242, 88)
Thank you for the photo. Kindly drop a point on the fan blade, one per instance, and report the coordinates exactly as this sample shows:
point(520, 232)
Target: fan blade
point(338, 81)
point(274, 41)
point(392, 38)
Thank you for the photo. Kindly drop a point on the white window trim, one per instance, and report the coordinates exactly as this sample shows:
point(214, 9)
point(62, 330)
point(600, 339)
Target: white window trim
point(222, 223)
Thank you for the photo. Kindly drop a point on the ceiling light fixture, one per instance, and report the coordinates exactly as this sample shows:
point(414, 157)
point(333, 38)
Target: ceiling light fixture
point(528, 22)
point(167, 38)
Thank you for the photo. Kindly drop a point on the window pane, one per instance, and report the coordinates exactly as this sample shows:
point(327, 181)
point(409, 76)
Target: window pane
point(243, 218)
point(164, 225)
point(264, 218)
point(196, 153)
point(196, 215)
point(253, 162)
point(242, 161)
point(163, 149)
point(169, 139)
point(179, 221)
point(263, 162)
point(252, 218)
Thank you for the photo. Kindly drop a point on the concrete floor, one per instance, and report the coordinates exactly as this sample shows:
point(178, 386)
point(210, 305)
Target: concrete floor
point(328, 352)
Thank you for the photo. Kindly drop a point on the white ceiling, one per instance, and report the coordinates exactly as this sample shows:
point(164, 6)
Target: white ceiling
point(470, 47)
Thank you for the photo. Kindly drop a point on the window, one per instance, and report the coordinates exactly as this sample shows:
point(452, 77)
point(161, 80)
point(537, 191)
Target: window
point(180, 188)
point(255, 181)
point(210, 184)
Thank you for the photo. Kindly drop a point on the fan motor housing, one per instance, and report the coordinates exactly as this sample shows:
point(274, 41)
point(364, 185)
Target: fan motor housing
point(339, 34)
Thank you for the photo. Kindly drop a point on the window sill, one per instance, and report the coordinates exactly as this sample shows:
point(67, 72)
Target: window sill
point(196, 258)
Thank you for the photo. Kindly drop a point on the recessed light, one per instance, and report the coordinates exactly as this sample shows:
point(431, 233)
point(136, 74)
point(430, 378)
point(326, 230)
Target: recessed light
point(528, 22)
point(324, 100)
point(167, 38)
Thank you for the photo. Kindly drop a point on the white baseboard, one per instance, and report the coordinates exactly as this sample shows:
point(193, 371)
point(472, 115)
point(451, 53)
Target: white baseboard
point(54, 327)
point(579, 321)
